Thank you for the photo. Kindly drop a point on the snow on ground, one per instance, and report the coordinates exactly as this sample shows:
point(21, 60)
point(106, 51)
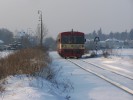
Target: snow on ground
point(121, 59)
point(5, 53)
point(85, 85)
point(28, 88)
point(24, 88)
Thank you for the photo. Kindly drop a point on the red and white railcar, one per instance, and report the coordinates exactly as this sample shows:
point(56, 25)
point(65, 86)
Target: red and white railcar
point(71, 44)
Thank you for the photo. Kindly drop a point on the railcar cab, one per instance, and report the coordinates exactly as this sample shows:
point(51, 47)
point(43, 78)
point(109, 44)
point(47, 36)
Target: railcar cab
point(71, 44)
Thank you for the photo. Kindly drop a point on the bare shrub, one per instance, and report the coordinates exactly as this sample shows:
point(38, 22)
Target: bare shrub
point(1, 89)
point(26, 61)
point(93, 54)
point(107, 52)
point(35, 62)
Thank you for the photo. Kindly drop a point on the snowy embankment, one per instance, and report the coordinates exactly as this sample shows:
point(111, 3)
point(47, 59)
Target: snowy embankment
point(81, 84)
point(22, 87)
point(28, 88)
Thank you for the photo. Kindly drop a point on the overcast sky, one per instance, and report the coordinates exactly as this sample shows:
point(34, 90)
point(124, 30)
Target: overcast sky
point(63, 15)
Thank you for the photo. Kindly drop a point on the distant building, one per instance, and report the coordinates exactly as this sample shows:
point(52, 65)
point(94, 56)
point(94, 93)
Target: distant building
point(114, 43)
point(111, 43)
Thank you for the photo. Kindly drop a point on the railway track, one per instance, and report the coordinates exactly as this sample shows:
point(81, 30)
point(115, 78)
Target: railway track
point(114, 71)
point(102, 76)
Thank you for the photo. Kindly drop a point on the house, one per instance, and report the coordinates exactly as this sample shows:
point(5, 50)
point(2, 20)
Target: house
point(114, 43)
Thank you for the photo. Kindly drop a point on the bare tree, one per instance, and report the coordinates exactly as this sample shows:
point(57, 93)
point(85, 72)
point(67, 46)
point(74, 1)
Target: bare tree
point(6, 36)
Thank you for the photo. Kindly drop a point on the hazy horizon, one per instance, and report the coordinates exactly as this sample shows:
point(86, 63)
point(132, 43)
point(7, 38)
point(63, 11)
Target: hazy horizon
point(64, 15)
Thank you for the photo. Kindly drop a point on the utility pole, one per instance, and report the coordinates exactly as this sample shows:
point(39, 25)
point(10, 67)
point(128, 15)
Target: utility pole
point(41, 39)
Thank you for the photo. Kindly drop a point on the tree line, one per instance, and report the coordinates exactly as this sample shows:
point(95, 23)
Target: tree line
point(26, 40)
point(117, 35)
point(8, 37)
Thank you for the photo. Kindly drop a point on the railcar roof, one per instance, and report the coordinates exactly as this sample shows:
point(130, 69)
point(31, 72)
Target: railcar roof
point(70, 32)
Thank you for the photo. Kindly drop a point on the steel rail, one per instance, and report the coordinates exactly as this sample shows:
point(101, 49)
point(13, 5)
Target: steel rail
point(126, 89)
point(116, 72)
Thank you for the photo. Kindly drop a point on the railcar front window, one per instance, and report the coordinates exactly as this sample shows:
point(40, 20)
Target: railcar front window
point(72, 39)
point(79, 39)
point(65, 39)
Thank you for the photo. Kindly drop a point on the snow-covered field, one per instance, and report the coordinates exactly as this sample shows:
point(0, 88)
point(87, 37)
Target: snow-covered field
point(85, 86)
